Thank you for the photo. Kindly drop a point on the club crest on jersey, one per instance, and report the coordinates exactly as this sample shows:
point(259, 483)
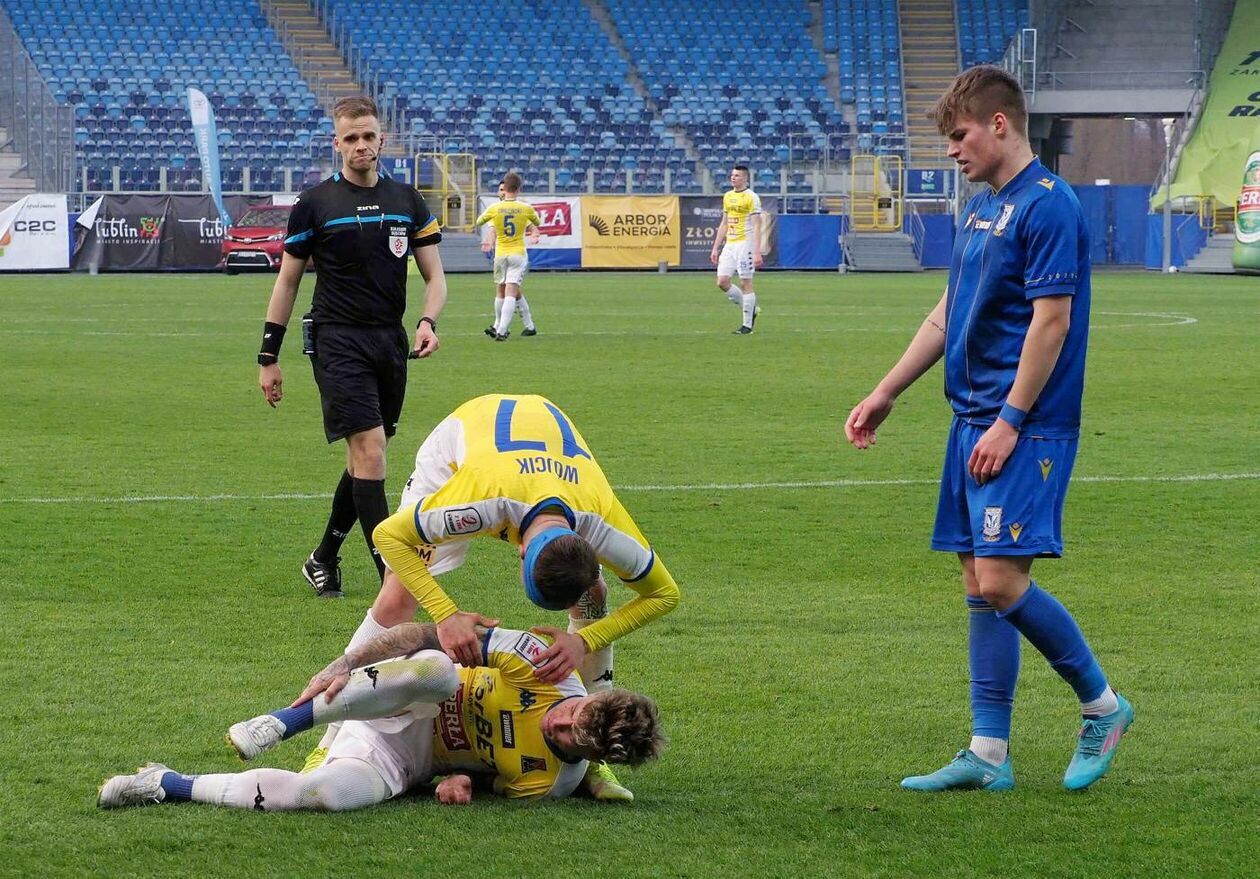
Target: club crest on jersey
point(1007, 210)
point(1046, 464)
point(992, 524)
point(465, 520)
point(533, 764)
point(528, 647)
point(1016, 530)
point(398, 241)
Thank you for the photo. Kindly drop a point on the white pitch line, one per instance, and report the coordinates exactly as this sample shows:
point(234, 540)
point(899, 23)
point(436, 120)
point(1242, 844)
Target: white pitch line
point(708, 486)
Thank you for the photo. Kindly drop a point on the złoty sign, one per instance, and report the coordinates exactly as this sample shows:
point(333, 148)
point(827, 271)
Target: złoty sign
point(630, 232)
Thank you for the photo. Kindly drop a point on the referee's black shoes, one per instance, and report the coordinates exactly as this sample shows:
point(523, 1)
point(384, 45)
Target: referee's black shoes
point(324, 579)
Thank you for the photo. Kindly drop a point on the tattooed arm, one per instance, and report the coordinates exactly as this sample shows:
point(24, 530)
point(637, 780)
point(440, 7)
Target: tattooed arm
point(401, 640)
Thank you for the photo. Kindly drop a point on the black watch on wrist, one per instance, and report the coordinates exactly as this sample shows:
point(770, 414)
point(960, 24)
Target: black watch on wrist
point(431, 322)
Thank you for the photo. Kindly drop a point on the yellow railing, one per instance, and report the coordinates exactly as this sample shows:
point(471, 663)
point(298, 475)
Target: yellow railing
point(448, 182)
point(876, 193)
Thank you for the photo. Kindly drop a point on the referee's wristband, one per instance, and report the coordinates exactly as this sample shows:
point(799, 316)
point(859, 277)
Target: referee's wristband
point(1012, 416)
point(273, 337)
point(430, 321)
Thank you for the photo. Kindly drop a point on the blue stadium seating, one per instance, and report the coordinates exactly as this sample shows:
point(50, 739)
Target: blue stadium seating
point(536, 86)
point(741, 78)
point(985, 27)
point(126, 69)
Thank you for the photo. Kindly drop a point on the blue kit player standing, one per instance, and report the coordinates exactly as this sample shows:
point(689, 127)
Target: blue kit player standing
point(1012, 327)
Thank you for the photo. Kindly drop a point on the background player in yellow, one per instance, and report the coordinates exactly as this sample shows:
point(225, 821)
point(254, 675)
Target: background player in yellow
point(739, 238)
point(514, 222)
point(410, 715)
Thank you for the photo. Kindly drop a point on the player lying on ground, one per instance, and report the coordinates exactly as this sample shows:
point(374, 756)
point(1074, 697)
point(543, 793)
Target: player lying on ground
point(409, 716)
point(514, 468)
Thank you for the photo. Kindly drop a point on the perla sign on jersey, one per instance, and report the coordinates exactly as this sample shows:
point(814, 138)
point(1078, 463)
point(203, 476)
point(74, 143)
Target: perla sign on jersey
point(1247, 228)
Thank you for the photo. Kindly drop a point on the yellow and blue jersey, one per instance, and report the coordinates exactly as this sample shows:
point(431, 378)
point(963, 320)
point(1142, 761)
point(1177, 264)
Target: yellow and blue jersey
point(740, 206)
point(1024, 241)
point(492, 723)
point(509, 218)
point(516, 456)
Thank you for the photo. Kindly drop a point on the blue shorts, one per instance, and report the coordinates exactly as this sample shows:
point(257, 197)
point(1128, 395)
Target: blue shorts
point(1018, 514)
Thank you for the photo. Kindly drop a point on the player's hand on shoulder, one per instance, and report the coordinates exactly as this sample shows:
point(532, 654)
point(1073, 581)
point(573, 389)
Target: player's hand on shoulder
point(454, 790)
point(860, 426)
point(566, 652)
point(459, 637)
point(991, 451)
point(269, 381)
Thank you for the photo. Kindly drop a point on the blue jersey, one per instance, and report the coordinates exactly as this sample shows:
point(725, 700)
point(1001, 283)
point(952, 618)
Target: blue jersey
point(1024, 241)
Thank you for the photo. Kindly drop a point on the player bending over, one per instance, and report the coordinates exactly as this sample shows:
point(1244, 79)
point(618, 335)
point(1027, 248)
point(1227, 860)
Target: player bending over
point(409, 716)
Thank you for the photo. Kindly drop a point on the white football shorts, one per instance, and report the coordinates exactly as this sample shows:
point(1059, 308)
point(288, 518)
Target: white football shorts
point(399, 748)
point(736, 259)
point(510, 269)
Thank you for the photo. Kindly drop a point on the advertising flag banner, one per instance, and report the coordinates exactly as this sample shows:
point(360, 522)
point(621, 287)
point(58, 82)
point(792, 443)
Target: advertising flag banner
point(206, 136)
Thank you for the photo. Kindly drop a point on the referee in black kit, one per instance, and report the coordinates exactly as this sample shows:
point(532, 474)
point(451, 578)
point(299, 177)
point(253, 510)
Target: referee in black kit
point(359, 228)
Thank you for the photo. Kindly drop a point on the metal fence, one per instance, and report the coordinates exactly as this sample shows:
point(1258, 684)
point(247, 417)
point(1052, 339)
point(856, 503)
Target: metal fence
point(35, 125)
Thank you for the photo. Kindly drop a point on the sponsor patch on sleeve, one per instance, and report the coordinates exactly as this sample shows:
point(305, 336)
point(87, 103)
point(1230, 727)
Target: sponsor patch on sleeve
point(528, 647)
point(465, 520)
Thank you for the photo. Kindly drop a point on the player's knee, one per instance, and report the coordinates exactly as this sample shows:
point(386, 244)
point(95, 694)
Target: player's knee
point(428, 676)
point(393, 604)
point(998, 592)
point(724, 284)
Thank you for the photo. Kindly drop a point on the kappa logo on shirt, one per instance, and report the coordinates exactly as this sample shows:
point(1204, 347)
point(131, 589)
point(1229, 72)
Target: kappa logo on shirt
point(465, 520)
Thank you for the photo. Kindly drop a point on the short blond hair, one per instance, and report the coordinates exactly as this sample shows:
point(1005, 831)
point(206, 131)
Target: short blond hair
point(354, 108)
point(978, 93)
point(621, 727)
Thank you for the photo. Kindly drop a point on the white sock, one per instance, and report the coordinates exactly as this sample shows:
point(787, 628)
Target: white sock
point(368, 629)
point(750, 308)
point(334, 787)
point(494, 312)
point(505, 316)
point(522, 308)
point(1104, 704)
point(596, 669)
point(735, 294)
point(989, 749)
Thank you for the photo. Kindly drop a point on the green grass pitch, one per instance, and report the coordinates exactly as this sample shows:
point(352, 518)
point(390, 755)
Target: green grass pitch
point(155, 512)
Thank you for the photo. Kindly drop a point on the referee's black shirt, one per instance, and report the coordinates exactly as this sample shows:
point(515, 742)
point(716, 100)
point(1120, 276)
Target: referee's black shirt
point(360, 238)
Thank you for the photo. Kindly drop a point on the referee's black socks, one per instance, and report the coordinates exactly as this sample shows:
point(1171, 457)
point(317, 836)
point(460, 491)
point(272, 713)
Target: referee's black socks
point(370, 504)
point(340, 521)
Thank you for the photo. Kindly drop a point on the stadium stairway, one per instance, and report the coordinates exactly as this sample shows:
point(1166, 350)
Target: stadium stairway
point(306, 39)
point(1216, 257)
point(13, 183)
point(929, 52)
point(461, 252)
point(882, 252)
point(599, 12)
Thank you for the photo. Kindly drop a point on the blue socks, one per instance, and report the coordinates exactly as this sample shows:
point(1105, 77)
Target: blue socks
point(993, 652)
point(298, 719)
point(178, 787)
point(1048, 626)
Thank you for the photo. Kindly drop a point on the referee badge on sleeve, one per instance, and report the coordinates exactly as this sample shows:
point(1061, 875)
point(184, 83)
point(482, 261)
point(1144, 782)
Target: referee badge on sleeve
point(398, 241)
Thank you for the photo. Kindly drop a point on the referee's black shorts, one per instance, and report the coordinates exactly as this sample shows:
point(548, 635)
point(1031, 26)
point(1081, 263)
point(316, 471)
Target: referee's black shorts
point(361, 373)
